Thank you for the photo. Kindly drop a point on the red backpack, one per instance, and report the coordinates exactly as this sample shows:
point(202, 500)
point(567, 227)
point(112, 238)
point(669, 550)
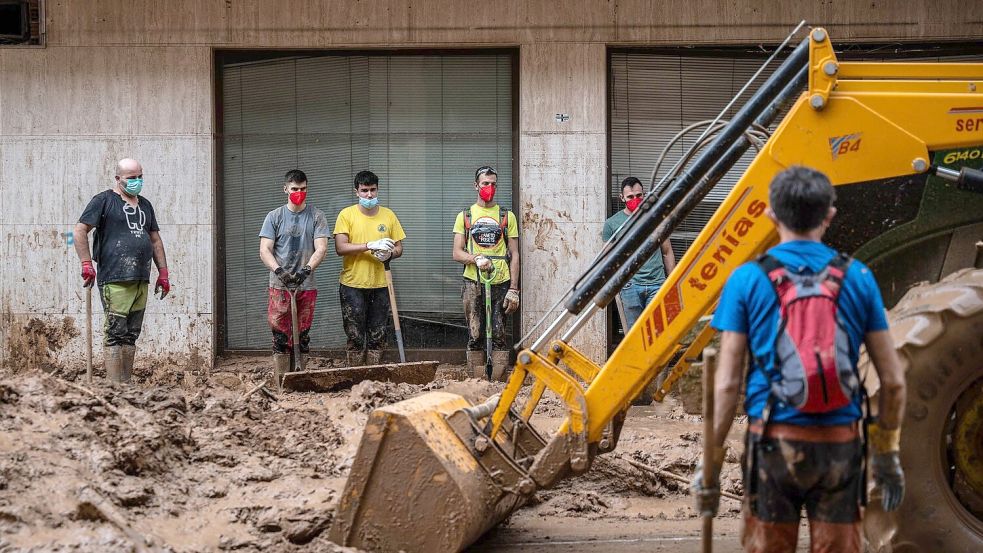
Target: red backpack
point(812, 371)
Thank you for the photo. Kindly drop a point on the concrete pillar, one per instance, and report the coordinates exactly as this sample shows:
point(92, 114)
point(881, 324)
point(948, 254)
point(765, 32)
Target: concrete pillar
point(562, 195)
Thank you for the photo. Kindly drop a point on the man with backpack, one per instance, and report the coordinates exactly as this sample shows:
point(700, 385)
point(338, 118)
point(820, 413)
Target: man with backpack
point(486, 242)
point(292, 243)
point(127, 238)
point(802, 310)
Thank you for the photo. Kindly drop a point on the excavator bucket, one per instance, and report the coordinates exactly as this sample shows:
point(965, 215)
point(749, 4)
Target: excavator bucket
point(420, 484)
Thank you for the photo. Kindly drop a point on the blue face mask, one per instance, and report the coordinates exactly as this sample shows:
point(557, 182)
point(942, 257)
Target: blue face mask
point(133, 186)
point(368, 203)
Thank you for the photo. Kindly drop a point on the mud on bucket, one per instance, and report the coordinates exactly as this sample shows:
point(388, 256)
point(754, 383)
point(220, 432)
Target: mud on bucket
point(419, 485)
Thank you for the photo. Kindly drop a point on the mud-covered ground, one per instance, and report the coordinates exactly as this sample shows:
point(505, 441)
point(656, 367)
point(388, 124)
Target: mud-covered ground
point(183, 463)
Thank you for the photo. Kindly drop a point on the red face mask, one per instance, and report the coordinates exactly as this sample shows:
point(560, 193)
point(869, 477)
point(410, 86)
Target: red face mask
point(486, 193)
point(298, 198)
point(633, 204)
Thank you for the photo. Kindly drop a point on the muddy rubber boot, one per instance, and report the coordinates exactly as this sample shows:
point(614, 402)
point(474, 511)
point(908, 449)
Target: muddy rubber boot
point(476, 364)
point(355, 358)
point(129, 354)
point(300, 365)
point(500, 362)
point(373, 357)
point(114, 363)
point(281, 366)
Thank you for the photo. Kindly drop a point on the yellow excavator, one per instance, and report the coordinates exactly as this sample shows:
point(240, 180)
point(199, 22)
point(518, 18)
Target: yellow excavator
point(903, 143)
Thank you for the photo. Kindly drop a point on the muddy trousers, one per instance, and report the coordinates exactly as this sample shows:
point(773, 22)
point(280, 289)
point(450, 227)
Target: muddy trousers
point(124, 304)
point(816, 467)
point(281, 322)
point(473, 295)
point(365, 315)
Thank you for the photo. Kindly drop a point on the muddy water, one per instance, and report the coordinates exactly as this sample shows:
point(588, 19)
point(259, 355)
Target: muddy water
point(200, 469)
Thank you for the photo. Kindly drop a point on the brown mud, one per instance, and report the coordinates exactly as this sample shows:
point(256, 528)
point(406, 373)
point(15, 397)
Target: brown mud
point(186, 464)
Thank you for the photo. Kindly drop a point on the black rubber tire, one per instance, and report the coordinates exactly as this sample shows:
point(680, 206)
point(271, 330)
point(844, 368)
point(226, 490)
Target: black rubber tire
point(938, 333)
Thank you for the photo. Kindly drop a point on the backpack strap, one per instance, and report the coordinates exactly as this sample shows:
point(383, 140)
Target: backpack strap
point(503, 220)
point(836, 272)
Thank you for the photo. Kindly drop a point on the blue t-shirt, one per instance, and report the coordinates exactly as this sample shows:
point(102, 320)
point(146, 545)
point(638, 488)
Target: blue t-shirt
point(749, 305)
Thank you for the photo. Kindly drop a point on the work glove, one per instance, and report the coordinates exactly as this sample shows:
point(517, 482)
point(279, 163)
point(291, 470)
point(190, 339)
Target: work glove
point(88, 274)
point(707, 497)
point(163, 286)
point(885, 464)
point(511, 303)
point(286, 277)
point(482, 263)
point(382, 255)
point(381, 244)
point(300, 277)
point(889, 478)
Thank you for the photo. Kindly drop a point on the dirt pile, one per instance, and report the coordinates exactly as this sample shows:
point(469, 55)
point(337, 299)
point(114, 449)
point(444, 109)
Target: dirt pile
point(131, 468)
point(161, 466)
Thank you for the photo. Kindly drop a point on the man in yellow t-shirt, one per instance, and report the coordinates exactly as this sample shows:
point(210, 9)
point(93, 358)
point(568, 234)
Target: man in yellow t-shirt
point(366, 236)
point(486, 239)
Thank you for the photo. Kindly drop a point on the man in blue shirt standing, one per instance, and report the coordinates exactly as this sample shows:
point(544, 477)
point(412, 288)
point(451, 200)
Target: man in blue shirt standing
point(802, 453)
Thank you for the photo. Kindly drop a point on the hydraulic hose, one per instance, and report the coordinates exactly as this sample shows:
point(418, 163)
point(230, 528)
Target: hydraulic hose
point(652, 217)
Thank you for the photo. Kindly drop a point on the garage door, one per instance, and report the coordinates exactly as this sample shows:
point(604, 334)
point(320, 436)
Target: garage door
point(422, 123)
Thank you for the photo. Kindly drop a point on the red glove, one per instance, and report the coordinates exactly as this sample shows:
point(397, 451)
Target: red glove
point(163, 286)
point(88, 274)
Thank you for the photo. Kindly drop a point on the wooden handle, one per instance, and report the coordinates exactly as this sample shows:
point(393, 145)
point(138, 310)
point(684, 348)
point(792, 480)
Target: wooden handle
point(88, 333)
point(709, 441)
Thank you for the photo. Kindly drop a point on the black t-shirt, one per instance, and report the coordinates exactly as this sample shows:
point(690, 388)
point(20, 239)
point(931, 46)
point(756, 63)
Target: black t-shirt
point(121, 245)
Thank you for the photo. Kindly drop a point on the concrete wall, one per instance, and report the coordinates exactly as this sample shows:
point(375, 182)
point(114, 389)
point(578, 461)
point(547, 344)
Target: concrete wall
point(134, 78)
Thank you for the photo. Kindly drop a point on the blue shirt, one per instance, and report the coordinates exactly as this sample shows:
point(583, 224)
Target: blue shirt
point(749, 305)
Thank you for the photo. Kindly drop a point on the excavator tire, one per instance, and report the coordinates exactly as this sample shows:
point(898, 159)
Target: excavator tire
point(938, 333)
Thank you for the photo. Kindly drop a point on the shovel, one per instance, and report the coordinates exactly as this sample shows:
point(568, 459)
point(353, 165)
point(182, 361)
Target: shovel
point(392, 304)
point(332, 380)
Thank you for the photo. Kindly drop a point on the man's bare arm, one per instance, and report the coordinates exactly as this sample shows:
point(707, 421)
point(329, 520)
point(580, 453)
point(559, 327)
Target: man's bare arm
point(514, 263)
point(320, 250)
point(160, 258)
point(460, 254)
point(668, 257)
point(727, 387)
point(266, 254)
point(880, 348)
point(80, 236)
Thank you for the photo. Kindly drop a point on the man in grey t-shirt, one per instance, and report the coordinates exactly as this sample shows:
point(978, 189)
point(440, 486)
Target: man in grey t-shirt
point(292, 243)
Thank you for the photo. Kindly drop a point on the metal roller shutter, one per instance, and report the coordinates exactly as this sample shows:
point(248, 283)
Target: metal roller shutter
point(421, 123)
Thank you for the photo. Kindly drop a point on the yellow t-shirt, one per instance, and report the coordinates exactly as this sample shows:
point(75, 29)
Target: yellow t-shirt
point(485, 243)
point(363, 270)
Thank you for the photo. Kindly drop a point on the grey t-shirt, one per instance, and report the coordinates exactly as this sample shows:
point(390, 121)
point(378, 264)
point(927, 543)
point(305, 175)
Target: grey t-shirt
point(653, 272)
point(293, 237)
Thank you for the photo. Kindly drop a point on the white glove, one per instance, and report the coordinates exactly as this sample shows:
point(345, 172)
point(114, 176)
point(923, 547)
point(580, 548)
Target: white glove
point(381, 244)
point(382, 255)
point(483, 263)
point(511, 303)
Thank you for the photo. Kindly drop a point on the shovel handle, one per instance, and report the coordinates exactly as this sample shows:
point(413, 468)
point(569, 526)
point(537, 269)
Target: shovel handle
point(709, 478)
point(88, 333)
point(295, 327)
point(395, 311)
